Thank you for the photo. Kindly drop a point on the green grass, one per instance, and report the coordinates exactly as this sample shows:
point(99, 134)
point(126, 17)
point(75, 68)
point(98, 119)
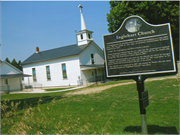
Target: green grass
point(112, 111)
point(58, 89)
point(92, 86)
point(110, 83)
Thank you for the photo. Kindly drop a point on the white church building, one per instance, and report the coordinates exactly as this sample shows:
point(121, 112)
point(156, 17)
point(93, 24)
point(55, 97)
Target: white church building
point(75, 64)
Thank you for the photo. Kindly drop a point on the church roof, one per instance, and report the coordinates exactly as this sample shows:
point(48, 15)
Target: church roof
point(55, 53)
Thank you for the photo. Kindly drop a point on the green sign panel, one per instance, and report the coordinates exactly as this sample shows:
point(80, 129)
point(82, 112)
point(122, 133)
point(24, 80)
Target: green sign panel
point(139, 48)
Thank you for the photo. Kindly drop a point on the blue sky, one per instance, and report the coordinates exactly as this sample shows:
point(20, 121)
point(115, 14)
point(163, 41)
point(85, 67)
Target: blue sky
point(26, 25)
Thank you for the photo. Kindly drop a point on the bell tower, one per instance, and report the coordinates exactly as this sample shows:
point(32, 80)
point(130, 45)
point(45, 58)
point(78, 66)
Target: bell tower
point(83, 36)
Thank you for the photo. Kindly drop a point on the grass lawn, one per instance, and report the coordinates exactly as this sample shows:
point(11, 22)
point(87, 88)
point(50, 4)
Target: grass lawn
point(112, 111)
point(111, 83)
point(99, 85)
point(58, 89)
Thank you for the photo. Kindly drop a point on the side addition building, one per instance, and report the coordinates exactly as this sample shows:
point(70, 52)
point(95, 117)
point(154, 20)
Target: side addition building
point(11, 78)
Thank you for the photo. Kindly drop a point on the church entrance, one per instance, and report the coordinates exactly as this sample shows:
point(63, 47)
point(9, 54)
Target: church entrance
point(91, 75)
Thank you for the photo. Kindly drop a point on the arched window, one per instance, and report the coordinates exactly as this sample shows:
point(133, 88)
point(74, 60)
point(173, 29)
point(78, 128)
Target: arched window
point(92, 58)
point(48, 73)
point(89, 35)
point(81, 36)
point(64, 71)
point(34, 74)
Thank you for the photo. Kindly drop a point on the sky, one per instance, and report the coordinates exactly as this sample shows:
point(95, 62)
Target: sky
point(26, 25)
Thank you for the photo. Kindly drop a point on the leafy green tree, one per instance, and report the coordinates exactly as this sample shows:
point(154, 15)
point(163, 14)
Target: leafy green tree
point(154, 12)
point(7, 60)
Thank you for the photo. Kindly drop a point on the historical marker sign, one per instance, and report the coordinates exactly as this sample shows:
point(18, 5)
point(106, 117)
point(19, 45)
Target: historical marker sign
point(139, 48)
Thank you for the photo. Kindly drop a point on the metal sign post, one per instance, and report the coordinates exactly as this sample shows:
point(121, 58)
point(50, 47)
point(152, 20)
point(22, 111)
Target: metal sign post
point(143, 102)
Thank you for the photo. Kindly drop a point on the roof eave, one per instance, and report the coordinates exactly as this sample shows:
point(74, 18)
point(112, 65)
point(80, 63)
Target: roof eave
point(46, 60)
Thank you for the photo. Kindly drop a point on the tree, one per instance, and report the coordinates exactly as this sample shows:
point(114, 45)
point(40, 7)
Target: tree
point(19, 65)
point(154, 12)
point(7, 60)
point(14, 63)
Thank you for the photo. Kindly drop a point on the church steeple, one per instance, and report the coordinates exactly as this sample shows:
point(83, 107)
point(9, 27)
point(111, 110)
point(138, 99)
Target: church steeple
point(84, 36)
point(83, 26)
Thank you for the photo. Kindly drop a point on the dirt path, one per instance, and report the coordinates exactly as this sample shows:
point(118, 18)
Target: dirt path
point(99, 89)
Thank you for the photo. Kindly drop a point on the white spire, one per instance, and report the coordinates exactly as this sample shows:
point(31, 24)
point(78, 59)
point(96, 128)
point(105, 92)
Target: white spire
point(83, 26)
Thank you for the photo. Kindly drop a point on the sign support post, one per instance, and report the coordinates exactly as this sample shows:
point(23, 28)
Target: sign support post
point(140, 89)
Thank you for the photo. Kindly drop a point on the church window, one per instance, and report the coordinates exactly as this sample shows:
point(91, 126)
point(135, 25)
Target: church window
point(89, 36)
point(64, 71)
point(92, 58)
point(48, 73)
point(81, 36)
point(34, 74)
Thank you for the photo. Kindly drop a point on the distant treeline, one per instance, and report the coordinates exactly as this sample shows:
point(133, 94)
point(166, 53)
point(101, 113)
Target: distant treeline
point(15, 63)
